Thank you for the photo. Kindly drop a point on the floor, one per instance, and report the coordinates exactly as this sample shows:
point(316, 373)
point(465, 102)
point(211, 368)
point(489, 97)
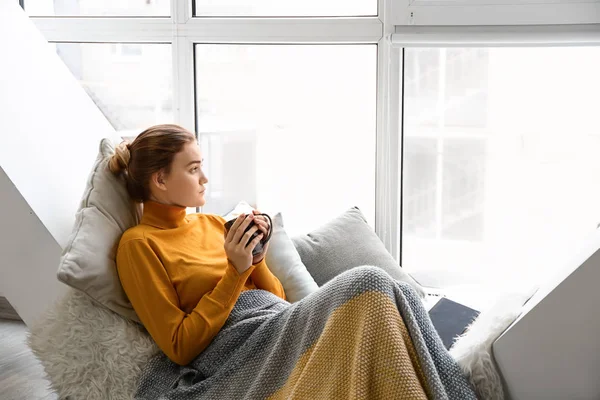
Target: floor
point(21, 374)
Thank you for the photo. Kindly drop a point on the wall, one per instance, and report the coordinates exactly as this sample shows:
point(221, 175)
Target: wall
point(49, 136)
point(29, 255)
point(551, 351)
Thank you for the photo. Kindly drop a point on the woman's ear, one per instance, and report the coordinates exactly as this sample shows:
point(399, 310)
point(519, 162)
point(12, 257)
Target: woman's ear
point(157, 180)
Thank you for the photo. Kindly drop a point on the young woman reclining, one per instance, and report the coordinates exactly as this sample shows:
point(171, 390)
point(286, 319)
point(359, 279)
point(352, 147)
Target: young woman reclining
point(221, 317)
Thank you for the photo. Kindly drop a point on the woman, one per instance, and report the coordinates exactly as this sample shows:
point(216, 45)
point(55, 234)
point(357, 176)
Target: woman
point(361, 335)
point(180, 273)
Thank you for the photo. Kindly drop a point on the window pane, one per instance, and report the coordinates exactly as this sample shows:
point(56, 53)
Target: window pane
point(500, 181)
point(289, 128)
point(130, 83)
point(294, 8)
point(98, 8)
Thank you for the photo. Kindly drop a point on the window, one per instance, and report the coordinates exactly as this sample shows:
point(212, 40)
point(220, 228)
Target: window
point(290, 128)
point(500, 155)
point(291, 8)
point(286, 152)
point(485, 157)
point(98, 8)
point(130, 83)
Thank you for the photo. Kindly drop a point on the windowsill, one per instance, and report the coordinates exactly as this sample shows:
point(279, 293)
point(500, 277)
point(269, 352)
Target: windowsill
point(476, 295)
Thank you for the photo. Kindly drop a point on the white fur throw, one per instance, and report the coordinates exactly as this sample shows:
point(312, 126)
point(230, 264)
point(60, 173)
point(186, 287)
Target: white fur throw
point(88, 351)
point(473, 350)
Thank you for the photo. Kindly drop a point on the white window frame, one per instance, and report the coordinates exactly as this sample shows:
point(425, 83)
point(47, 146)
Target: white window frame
point(183, 31)
point(494, 12)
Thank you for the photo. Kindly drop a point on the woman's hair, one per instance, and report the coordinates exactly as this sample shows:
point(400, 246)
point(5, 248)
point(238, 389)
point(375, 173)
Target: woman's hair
point(151, 151)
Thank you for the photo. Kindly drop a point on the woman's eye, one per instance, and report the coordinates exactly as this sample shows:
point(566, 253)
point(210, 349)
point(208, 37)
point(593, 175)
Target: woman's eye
point(194, 169)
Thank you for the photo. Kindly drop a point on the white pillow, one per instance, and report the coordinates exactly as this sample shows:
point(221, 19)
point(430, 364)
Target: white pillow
point(241, 208)
point(106, 211)
point(282, 258)
point(284, 261)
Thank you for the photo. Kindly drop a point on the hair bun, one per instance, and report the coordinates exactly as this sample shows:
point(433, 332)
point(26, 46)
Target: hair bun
point(120, 160)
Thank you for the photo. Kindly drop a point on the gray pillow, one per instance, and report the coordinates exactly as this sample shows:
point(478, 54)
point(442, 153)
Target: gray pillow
point(343, 243)
point(106, 211)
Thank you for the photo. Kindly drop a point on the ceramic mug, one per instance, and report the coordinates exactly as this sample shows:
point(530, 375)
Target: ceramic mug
point(259, 247)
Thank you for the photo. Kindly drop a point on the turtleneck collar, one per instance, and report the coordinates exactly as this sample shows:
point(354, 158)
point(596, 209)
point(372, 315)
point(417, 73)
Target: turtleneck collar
point(163, 215)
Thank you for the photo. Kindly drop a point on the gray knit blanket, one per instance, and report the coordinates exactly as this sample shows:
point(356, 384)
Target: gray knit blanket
point(362, 335)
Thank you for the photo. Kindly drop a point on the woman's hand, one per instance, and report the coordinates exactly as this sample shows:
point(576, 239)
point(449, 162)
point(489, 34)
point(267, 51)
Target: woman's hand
point(263, 224)
point(236, 249)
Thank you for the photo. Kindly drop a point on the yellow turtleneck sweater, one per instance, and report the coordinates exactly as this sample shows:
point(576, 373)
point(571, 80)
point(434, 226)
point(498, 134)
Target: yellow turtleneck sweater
point(174, 270)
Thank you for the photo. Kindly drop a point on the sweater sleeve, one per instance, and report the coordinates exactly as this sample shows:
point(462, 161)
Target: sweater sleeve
point(263, 278)
point(179, 335)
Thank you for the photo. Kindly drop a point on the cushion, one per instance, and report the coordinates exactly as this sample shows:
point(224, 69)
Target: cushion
point(282, 258)
point(241, 208)
point(88, 351)
point(343, 243)
point(285, 263)
point(106, 211)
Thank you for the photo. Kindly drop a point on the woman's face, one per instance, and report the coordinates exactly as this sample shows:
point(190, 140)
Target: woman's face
point(184, 185)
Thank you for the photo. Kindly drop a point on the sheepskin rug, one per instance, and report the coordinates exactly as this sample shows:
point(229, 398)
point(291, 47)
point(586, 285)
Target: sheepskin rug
point(89, 352)
point(473, 350)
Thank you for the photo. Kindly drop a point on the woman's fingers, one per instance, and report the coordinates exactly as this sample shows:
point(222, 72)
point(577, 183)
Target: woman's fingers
point(264, 226)
point(255, 241)
point(231, 232)
point(239, 226)
point(239, 232)
point(261, 218)
point(246, 238)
